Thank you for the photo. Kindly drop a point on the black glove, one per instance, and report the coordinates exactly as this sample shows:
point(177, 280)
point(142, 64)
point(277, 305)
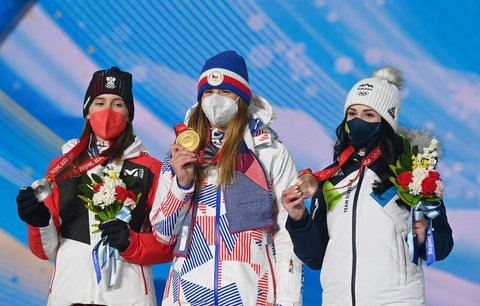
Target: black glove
point(30, 210)
point(117, 233)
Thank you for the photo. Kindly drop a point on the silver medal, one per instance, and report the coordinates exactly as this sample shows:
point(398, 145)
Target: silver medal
point(42, 189)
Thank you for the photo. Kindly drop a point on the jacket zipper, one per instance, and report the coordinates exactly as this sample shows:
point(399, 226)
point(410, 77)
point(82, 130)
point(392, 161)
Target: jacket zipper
point(354, 240)
point(273, 273)
point(217, 246)
point(144, 280)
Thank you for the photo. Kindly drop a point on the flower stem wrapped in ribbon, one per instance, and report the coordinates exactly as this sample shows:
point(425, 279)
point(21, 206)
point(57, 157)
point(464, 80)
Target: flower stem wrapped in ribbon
point(419, 185)
point(108, 197)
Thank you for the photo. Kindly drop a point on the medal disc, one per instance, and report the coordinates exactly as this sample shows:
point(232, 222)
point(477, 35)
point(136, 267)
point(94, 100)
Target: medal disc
point(307, 185)
point(42, 189)
point(188, 139)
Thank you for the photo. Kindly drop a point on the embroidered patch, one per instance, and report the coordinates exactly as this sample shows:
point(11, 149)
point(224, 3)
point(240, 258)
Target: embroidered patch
point(364, 89)
point(262, 137)
point(385, 197)
point(110, 82)
point(215, 78)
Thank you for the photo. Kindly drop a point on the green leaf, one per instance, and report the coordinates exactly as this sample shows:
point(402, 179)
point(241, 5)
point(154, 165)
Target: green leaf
point(96, 231)
point(86, 190)
point(97, 178)
point(86, 179)
point(103, 216)
point(415, 151)
point(85, 199)
point(406, 197)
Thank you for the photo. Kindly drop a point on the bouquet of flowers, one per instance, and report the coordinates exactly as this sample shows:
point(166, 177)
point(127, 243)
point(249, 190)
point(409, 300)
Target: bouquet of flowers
point(419, 185)
point(415, 176)
point(108, 197)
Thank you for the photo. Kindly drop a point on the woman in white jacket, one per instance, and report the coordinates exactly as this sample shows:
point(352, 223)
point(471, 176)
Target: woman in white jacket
point(221, 207)
point(357, 226)
point(61, 228)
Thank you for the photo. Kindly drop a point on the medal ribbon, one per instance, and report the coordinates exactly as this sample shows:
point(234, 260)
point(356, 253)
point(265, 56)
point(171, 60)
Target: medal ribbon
point(201, 154)
point(179, 128)
point(68, 158)
point(324, 175)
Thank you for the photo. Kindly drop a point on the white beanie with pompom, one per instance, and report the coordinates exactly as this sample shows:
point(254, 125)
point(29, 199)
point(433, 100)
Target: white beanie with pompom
point(380, 92)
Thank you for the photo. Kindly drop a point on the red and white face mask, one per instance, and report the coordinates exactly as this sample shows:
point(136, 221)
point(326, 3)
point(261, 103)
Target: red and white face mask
point(107, 123)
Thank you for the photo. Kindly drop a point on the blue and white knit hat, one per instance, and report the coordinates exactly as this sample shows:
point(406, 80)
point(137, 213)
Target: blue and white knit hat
point(226, 70)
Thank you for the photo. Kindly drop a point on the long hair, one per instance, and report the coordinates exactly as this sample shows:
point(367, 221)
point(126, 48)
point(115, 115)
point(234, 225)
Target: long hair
point(227, 165)
point(115, 151)
point(390, 143)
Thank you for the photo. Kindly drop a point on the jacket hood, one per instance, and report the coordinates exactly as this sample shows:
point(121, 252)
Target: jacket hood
point(134, 150)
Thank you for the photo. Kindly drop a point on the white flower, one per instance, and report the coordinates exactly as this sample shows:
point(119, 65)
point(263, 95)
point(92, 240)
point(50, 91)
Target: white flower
point(439, 191)
point(419, 174)
point(434, 142)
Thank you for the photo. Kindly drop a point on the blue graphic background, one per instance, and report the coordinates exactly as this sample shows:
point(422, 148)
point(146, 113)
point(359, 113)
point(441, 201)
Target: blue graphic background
point(303, 56)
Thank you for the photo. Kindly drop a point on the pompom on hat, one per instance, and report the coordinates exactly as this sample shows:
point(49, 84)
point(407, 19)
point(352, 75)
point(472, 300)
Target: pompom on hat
point(226, 70)
point(110, 81)
point(381, 92)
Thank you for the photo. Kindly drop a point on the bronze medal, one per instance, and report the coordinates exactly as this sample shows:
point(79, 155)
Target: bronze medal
point(189, 140)
point(42, 189)
point(307, 185)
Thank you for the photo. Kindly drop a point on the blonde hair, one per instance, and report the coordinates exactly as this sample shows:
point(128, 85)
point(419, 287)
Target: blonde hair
point(227, 165)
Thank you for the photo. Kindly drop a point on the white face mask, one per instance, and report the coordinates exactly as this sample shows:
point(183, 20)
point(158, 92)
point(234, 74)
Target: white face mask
point(219, 109)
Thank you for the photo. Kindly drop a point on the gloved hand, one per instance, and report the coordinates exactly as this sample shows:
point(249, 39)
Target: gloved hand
point(117, 233)
point(30, 210)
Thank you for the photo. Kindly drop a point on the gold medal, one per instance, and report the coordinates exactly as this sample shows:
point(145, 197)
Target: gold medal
point(307, 185)
point(189, 140)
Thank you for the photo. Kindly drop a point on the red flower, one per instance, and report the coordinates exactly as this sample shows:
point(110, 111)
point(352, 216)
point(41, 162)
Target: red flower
point(429, 185)
point(121, 193)
point(434, 175)
point(404, 179)
point(132, 195)
point(97, 187)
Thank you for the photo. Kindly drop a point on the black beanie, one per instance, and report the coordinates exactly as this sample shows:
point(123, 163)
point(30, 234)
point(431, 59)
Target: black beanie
point(110, 81)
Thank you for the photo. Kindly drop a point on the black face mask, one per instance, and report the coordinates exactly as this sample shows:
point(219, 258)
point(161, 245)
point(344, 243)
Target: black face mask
point(362, 132)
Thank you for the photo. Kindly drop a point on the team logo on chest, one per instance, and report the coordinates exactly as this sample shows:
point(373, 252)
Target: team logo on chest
point(134, 172)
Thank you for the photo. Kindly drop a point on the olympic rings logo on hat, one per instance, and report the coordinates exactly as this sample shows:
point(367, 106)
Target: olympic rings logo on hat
point(363, 93)
point(215, 78)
